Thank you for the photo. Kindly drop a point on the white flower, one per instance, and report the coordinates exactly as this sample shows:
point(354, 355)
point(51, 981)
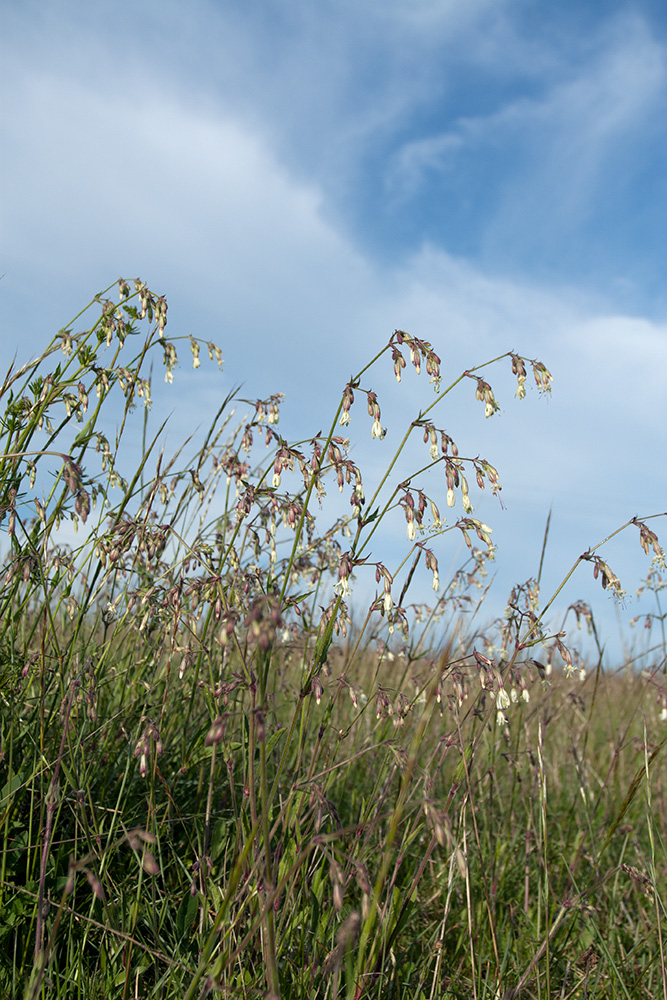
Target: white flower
point(502, 699)
point(435, 514)
point(110, 614)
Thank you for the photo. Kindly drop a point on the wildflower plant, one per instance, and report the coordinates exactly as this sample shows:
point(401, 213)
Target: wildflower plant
point(256, 791)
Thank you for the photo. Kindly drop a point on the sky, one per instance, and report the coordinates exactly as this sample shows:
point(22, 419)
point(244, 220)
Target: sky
point(302, 177)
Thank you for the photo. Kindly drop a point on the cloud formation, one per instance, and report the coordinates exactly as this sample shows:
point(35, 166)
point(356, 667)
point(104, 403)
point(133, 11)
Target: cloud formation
point(298, 186)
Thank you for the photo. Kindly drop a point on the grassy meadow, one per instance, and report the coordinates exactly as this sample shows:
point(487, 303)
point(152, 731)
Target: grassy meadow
point(220, 778)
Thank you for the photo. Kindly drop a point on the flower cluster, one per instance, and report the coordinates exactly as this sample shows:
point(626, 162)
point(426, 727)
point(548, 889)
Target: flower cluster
point(649, 540)
point(150, 735)
point(607, 577)
point(484, 393)
point(414, 515)
point(448, 453)
point(420, 350)
point(377, 430)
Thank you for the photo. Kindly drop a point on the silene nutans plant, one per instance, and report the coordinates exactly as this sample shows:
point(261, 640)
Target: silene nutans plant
point(220, 775)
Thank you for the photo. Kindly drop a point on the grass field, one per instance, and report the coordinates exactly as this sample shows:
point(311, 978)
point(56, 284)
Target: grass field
point(216, 779)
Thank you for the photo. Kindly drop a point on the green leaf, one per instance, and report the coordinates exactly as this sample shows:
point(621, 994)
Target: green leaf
point(372, 517)
point(10, 786)
point(187, 914)
point(273, 739)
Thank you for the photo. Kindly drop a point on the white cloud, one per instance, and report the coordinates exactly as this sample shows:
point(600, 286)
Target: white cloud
point(194, 203)
point(143, 178)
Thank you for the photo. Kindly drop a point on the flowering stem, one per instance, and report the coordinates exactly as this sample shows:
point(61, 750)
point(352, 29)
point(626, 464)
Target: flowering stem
point(416, 423)
point(524, 641)
point(299, 527)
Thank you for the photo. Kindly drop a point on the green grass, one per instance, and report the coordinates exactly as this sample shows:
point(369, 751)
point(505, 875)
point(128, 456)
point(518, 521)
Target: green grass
point(213, 783)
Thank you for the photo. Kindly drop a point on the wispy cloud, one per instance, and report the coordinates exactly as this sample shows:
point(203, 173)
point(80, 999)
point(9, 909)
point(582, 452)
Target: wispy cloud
point(551, 165)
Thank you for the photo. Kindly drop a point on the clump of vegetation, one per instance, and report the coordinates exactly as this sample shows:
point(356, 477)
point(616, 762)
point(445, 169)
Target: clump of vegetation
point(212, 782)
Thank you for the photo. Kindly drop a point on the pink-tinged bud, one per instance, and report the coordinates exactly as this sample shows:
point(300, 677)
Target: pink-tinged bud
point(433, 365)
point(216, 732)
point(94, 884)
point(149, 864)
point(542, 375)
point(82, 505)
point(383, 706)
point(344, 566)
point(518, 367)
point(399, 363)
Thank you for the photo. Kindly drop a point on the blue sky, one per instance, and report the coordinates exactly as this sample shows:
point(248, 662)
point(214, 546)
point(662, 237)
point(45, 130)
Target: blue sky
point(301, 178)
